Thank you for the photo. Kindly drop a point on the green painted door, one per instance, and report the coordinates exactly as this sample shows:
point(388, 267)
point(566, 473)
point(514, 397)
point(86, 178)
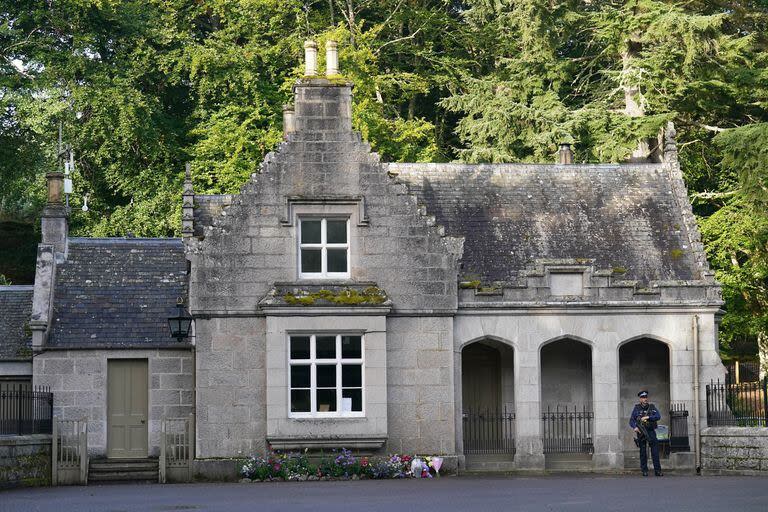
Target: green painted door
point(127, 396)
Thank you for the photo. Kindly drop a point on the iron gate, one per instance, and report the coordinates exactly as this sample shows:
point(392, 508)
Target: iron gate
point(489, 431)
point(567, 430)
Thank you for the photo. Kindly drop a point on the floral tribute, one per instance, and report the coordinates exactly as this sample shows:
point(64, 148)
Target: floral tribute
point(338, 465)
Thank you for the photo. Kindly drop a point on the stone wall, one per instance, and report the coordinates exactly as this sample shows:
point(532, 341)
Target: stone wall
point(734, 450)
point(420, 384)
point(25, 460)
point(231, 386)
point(78, 380)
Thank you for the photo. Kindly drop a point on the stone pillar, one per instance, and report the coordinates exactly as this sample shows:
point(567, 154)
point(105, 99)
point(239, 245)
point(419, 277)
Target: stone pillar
point(310, 58)
point(188, 206)
point(331, 59)
point(670, 143)
point(609, 450)
point(528, 446)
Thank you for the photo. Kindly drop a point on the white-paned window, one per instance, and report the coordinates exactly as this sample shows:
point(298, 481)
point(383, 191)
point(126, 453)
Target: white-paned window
point(323, 247)
point(326, 375)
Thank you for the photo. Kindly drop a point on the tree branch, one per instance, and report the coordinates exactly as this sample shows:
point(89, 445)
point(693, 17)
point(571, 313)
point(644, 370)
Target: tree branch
point(713, 195)
point(398, 40)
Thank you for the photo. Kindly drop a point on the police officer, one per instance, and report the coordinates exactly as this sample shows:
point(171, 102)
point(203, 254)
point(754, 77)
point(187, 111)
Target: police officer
point(643, 422)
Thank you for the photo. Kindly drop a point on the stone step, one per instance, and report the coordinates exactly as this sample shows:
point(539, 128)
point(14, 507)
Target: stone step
point(568, 462)
point(123, 476)
point(491, 466)
point(123, 470)
point(123, 466)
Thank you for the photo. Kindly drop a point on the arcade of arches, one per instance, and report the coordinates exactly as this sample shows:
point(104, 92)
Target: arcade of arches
point(566, 385)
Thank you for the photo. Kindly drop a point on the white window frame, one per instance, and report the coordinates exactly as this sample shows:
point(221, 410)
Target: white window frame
point(313, 361)
point(324, 246)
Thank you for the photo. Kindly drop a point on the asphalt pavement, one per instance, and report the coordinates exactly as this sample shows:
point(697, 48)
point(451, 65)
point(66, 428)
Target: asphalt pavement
point(548, 493)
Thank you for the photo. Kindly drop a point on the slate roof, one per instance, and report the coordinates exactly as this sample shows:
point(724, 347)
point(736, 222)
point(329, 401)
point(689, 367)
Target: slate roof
point(15, 309)
point(624, 216)
point(118, 291)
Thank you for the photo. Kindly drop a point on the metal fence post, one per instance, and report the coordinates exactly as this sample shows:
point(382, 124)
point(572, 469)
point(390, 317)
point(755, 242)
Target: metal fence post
point(54, 453)
point(765, 401)
point(192, 443)
point(161, 472)
point(83, 449)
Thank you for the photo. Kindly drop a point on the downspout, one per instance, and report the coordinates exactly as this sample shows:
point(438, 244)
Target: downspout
point(696, 405)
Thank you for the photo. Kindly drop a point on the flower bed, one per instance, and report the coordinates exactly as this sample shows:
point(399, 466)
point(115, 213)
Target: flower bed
point(341, 465)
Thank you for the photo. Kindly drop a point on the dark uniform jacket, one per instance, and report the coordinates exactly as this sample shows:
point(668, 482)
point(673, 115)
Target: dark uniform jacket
point(639, 411)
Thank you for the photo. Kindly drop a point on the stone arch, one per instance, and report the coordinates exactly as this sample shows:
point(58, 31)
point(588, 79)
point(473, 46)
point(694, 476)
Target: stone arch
point(644, 363)
point(486, 394)
point(566, 372)
point(488, 374)
point(650, 337)
point(573, 337)
point(491, 337)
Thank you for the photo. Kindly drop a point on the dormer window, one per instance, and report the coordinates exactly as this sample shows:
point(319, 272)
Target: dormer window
point(323, 248)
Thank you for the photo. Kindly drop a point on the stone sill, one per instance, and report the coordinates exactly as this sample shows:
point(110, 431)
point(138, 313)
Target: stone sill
point(298, 443)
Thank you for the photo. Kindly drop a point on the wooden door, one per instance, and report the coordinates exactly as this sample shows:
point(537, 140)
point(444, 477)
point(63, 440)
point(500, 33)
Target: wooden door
point(127, 396)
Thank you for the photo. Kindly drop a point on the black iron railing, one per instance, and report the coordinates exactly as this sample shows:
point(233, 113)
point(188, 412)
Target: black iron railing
point(737, 405)
point(25, 410)
point(489, 431)
point(567, 430)
point(678, 428)
point(742, 371)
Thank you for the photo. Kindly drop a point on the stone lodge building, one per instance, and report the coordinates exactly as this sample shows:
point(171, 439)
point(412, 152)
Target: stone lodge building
point(340, 301)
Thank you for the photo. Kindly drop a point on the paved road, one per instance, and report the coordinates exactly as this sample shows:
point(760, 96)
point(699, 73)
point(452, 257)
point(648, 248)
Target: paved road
point(529, 494)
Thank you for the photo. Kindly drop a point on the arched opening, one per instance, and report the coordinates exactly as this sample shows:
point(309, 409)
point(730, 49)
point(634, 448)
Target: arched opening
point(488, 403)
point(566, 402)
point(566, 374)
point(643, 364)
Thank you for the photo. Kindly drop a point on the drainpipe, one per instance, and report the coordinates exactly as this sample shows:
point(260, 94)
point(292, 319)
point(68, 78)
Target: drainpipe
point(696, 429)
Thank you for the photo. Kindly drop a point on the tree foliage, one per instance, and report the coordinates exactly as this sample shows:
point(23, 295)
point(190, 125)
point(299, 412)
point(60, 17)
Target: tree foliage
point(141, 87)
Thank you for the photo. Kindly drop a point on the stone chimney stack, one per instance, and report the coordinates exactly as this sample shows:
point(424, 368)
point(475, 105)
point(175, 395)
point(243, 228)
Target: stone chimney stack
point(54, 222)
point(310, 58)
point(289, 121)
point(322, 105)
point(331, 59)
point(565, 154)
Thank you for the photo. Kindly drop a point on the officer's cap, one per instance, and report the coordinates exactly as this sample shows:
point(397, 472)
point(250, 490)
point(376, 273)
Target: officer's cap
point(643, 394)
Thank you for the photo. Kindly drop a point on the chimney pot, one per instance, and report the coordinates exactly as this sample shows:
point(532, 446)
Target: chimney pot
point(289, 120)
point(310, 58)
point(55, 182)
point(565, 154)
point(331, 59)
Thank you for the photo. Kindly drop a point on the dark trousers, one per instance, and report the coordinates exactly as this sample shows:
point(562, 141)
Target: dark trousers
point(654, 444)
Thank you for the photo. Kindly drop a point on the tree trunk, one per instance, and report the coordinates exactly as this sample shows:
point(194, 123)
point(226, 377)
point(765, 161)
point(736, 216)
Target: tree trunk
point(634, 103)
point(762, 352)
